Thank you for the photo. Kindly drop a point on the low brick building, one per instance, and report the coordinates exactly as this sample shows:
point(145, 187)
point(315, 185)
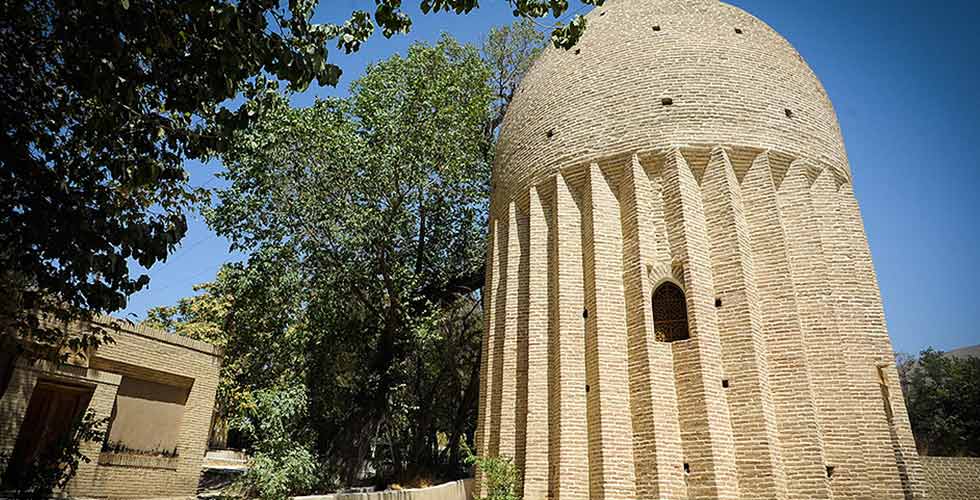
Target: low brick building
point(156, 388)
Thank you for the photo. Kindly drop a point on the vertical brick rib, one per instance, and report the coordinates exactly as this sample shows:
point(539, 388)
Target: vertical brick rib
point(509, 377)
point(653, 404)
point(811, 277)
point(863, 422)
point(662, 249)
point(523, 307)
point(486, 361)
point(757, 458)
point(87, 480)
point(499, 290)
point(611, 467)
point(568, 448)
point(704, 418)
point(888, 437)
point(536, 448)
point(800, 441)
point(866, 426)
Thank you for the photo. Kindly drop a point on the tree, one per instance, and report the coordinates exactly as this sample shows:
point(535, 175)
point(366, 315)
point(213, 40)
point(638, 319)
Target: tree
point(103, 101)
point(279, 327)
point(379, 203)
point(200, 317)
point(509, 51)
point(282, 463)
point(943, 397)
point(251, 313)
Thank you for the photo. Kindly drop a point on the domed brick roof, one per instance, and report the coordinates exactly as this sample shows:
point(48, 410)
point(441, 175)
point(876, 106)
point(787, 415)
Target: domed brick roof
point(654, 74)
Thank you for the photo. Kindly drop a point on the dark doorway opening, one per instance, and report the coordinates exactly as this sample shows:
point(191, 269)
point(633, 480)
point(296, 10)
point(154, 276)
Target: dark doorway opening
point(50, 417)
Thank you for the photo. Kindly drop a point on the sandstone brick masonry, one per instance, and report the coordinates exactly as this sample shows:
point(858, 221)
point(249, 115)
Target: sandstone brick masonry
point(147, 355)
point(952, 478)
point(685, 142)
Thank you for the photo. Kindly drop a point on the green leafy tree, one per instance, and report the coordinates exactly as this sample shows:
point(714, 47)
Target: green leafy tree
point(103, 101)
point(200, 317)
point(379, 200)
point(308, 306)
point(942, 393)
point(282, 463)
point(250, 312)
point(510, 51)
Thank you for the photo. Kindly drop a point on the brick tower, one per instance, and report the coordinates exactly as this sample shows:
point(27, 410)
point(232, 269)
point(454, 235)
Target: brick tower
point(680, 299)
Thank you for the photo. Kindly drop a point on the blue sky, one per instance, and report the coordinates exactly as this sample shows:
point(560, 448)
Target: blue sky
point(904, 79)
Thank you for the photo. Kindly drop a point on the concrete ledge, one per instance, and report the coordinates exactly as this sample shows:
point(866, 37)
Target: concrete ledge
point(456, 490)
point(160, 335)
point(67, 372)
point(236, 455)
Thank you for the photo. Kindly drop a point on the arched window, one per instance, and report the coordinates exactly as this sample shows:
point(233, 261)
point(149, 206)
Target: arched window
point(670, 313)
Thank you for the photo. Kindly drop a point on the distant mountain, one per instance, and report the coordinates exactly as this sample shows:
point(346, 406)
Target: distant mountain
point(965, 352)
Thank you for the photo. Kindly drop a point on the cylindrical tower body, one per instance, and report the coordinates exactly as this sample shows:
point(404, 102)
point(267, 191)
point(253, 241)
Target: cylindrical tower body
point(680, 299)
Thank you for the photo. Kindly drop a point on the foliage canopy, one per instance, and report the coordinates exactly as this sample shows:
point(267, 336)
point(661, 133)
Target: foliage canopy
point(942, 393)
point(377, 203)
point(282, 461)
point(364, 221)
point(103, 101)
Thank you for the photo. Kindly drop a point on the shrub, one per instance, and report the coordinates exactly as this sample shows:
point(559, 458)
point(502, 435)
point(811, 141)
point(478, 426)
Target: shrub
point(283, 464)
point(281, 474)
point(500, 476)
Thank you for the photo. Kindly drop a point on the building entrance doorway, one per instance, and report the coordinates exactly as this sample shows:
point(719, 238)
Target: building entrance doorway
point(50, 414)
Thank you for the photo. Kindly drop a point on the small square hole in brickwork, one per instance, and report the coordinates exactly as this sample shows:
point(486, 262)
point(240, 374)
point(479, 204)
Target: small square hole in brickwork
point(789, 113)
point(586, 388)
point(656, 28)
point(551, 133)
point(578, 51)
point(666, 101)
point(830, 472)
point(585, 313)
point(687, 468)
point(717, 302)
point(724, 383)
point(738, 31)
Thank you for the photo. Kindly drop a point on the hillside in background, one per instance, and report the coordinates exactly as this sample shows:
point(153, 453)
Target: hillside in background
point(964, 352)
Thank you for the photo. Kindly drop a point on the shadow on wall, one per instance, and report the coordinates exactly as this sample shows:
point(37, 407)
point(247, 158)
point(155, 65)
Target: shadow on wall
point(146, 417)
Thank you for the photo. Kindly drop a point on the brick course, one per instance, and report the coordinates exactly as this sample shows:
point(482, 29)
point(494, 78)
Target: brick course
point(737, 190)
point(952, 478)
